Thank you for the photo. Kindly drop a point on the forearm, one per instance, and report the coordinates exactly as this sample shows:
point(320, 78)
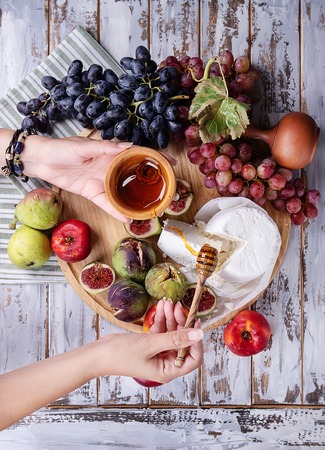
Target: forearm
point(25, 390)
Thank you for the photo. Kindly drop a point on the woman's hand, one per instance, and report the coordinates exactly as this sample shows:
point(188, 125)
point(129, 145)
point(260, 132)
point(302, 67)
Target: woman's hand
point(75, 164)
point(152, 355)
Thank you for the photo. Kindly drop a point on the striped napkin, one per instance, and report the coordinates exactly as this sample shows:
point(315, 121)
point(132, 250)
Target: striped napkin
point(78, 45)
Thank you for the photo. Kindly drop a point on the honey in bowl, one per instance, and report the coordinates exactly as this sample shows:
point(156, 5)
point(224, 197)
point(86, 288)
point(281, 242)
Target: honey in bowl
point(140, 183)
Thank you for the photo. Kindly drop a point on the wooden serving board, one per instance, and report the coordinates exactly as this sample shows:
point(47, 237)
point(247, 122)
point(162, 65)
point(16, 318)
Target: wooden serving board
point(107, 231)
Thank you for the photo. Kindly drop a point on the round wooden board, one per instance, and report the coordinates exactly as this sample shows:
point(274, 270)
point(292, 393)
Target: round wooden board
point(107, 231)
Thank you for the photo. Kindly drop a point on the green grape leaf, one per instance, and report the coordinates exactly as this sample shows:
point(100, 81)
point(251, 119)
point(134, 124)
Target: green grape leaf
point(217, 114)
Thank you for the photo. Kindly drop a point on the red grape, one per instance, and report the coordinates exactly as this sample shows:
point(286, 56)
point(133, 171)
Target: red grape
point(198, 72)
point(222, 190)
point(192, 135)
point(298, 218)
point(276, 182)
point(195, 61)
point(310, 211)
point(244, 99)
point(209, 163)
point(288, 191)
point(248, 172)
point(226, 57)
point(244, 152)
point(184, 61)
point(208, 149)
point(245, 80)
point(256, 189)
point(228, 150)
point(236, 165)
point(210, 180)
point(235, 186)
point(234, 89)
point(195, 156)
point(203, 168)
point(222, 163)
point(299, 186)
point(171, 59)
point(223, 178)
point(271, 194)
point(312, 196)
point(286, 173)
point(245, 193)
point(279, 204)
point(241, 64)
point(186, 80)
point(261, 200)
point(266, 169)
point(214, 70)
point(293, 205)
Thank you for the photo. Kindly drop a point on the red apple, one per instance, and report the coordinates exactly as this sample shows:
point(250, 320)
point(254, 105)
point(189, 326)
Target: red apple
point(147, 383)
point(71, 240)
point(247, 334)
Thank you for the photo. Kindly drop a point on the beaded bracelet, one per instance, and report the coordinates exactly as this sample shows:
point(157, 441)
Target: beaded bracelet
point(12, 154)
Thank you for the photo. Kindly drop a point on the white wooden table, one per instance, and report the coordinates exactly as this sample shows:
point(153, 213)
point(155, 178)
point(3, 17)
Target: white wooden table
point(275, 399)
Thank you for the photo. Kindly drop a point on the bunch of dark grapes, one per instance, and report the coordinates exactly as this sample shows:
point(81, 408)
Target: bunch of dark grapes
point(232, 168)
point(143, 105)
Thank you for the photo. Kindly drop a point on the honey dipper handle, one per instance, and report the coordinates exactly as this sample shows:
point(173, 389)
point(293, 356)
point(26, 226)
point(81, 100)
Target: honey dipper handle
point(179, 361)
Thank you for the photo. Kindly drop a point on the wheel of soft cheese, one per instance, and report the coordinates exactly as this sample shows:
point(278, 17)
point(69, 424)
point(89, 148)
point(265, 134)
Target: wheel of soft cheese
point(260, 234)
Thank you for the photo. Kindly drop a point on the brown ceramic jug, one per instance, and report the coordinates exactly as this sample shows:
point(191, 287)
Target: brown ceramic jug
point(292, 141)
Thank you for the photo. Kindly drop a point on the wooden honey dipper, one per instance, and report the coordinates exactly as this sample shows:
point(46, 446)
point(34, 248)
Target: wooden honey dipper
point(206, 264)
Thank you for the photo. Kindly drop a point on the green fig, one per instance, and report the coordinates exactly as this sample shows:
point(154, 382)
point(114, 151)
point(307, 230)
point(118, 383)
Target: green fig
point(29, 248)
point(165, 280)
point(39, 209)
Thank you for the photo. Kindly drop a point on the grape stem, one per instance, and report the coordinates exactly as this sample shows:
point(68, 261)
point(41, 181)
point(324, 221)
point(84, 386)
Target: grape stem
point(207, 70)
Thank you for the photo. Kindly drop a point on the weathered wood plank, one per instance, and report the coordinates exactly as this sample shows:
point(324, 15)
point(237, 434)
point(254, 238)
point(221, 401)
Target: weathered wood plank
point(71, 325)
point(23, 325)
point(123, 26)
point(64, 16)
point(313, 56)
point(23, 39)
point(254, 429)
point(275, 51)
point(174, 28)
point(224, 25)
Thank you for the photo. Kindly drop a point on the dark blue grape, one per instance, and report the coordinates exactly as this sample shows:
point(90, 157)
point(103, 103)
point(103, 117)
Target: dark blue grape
point(64, 81)
point(71, 80)
point(142, 93)
point(84, 120)
point(22, 108)
point(122, 129)
point(127, 81)
point(160, 102)
point(173, 72)
point(75, 89)
point(166, 74)
point(116, 113)
point(146, 110)
point(139, 69)
point(162, 138)
point(110, 76)
point(49, 82)
point(136, 135)
point(142, 53)
point(75, 68)
point(118, 99)
point(102, 88)
point(43, 124)
point(169, 88)
point(174, 126)
point(126, 62)
point(84, 79)
point(58, 92)
point(107, 134)
point(65, 114)
point(157, 124)
point(94, 109)
point(103, 121)
point(145, 128)
point(95, 73)
point(44, 96)
point(151, 66)
point(128, 93)
point(30, 122)
point(81, 102)
point(34, 104)
point(51, 111)
point(66, 104)
point(171, 112)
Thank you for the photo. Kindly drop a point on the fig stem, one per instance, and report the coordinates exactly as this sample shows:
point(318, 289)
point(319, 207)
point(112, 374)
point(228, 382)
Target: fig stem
point(13, 223)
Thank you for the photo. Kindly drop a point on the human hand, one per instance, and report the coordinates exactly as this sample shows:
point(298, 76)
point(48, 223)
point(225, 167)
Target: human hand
point(152, 355)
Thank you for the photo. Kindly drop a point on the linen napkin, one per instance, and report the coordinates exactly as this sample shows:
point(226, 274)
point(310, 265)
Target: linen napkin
point(79, 44)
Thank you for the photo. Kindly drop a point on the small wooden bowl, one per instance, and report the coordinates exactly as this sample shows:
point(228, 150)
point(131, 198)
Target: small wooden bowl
point(128, 158)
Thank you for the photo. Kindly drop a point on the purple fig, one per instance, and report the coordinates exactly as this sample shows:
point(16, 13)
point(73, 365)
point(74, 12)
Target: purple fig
point(132, 258)
point(164, 280)
point(129, 299)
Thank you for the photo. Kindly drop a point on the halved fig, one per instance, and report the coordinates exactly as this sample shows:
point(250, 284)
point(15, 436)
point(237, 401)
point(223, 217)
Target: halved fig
point(183, 198)
point(143, 228)
point(207, 303)
point(96, 277)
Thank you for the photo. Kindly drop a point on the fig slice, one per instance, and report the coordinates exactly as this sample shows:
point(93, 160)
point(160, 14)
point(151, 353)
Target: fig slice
point(183, 198)
point(96, 277)
point(143, 228)
point(207, 303)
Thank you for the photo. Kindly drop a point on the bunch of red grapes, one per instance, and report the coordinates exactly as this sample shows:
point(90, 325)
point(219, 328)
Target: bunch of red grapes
point(231, 168)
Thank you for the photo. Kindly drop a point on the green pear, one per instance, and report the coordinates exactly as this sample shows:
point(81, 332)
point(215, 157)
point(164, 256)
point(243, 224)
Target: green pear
point(39, 209)
point(29, 248)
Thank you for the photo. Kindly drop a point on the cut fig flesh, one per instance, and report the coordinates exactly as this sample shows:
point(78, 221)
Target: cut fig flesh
point(143, 228)
point(183, 198)
point(207, 303)
point(96, 277)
